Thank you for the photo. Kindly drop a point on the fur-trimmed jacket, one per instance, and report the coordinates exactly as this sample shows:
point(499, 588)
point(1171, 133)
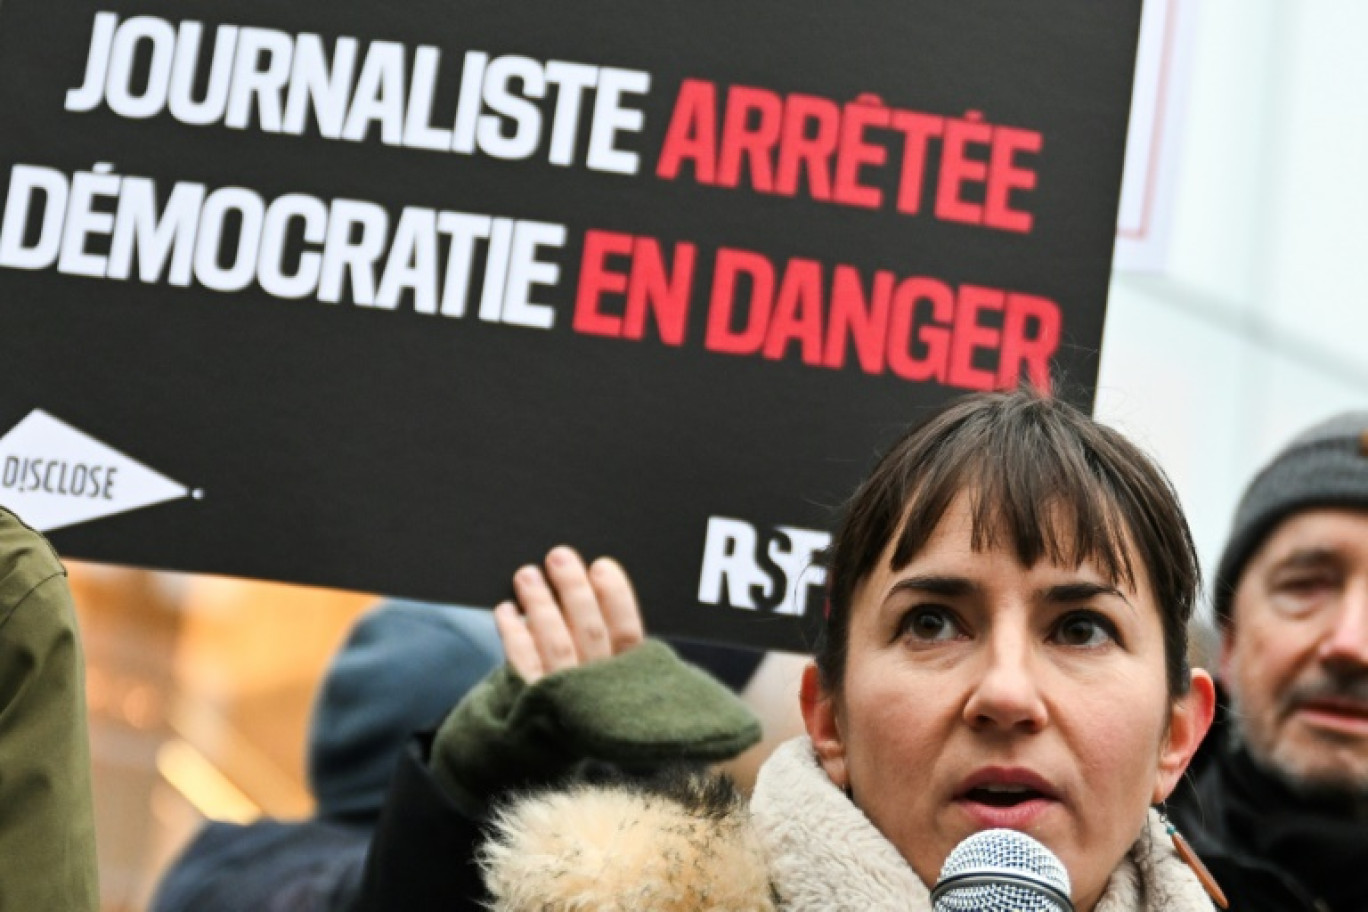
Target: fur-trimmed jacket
point(801, 846)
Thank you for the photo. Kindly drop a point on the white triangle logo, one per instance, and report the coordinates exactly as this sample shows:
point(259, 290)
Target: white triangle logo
point(52, 476)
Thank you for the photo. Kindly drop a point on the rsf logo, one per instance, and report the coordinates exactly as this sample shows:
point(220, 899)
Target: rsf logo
point(772, 570)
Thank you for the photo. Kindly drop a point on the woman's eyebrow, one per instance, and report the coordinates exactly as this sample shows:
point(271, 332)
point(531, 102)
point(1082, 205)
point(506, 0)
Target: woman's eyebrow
point(946, 586)
point(1079, 592)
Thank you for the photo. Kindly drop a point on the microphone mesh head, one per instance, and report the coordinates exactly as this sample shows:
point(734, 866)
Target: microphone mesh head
point(1002, 871)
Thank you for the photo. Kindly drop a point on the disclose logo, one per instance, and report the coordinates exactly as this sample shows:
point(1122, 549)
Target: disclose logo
point(53, 475)
point(755, 569)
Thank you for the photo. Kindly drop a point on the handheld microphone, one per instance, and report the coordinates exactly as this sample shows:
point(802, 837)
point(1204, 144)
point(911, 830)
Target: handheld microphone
point(1002, 871)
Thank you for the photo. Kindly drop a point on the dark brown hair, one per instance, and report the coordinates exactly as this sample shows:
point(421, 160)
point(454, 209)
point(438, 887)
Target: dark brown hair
point(1041, 474)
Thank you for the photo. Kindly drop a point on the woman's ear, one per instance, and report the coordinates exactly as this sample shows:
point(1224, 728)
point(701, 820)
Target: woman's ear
point(823, 724)
point(1189, 719)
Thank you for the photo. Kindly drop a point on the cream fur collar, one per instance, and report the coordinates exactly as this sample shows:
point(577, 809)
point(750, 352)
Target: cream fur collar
point(625, 849)
point(824, 854)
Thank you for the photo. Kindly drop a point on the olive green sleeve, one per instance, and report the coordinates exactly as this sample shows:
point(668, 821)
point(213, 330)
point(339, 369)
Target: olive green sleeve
point(47, 825)
point(639, 710)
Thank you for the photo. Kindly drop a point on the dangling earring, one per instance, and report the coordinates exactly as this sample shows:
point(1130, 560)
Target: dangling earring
point(1189, 857)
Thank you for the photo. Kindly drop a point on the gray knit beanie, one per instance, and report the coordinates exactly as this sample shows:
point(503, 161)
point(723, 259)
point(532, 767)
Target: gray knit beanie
point(1325, 466)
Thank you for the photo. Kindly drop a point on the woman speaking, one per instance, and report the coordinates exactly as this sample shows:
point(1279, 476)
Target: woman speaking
point(1004, 648)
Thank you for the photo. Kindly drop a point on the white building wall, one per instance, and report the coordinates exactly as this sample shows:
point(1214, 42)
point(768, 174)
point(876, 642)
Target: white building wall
point(1258, 324)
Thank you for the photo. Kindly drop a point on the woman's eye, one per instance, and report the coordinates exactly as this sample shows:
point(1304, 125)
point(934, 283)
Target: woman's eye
point(1084, 628)
point(931, 625)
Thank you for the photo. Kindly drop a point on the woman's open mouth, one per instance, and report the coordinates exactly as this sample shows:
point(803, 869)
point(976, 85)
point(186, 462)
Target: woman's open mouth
point(1012, 798)
point(1003, 796)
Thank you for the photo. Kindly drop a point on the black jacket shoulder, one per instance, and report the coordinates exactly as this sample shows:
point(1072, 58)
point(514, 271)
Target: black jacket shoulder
point(422, 855)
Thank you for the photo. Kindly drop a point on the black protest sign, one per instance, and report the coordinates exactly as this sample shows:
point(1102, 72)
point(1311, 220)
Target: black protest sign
point(394, 297)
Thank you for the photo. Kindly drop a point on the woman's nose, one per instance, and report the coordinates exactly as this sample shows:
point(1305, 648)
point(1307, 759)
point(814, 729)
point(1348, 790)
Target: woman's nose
point(1007, 696)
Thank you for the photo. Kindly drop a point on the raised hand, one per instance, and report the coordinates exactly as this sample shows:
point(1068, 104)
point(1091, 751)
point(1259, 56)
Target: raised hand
point(567, 615)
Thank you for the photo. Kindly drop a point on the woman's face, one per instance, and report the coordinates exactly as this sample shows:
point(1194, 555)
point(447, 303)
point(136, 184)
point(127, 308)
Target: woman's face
point(981, 693)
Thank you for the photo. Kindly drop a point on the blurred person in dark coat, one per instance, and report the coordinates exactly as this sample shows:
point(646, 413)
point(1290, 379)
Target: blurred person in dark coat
point(401, 668)
point(1278, 803)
